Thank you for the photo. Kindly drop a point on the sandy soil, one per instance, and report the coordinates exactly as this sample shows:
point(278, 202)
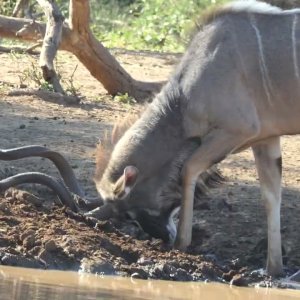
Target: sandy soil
point(229, 229)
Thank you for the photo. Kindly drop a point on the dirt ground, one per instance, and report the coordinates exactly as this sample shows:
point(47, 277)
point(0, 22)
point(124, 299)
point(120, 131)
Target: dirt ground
point(229, 237)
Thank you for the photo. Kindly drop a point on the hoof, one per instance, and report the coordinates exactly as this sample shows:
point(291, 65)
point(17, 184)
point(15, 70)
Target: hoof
point(180, 245)
point(275, 271)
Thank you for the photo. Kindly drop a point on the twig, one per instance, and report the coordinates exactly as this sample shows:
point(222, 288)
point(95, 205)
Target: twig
point(19, 50)
point(21, 5)
point(31, 48)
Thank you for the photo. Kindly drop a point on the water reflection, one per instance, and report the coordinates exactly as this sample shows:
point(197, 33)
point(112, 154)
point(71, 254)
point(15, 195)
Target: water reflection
point(10, 290)
point(19, 283)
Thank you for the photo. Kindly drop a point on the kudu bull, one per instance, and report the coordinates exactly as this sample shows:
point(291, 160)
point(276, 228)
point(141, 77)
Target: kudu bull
point(237, 86)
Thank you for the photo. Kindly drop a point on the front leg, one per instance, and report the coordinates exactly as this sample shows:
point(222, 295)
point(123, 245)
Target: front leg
point(215, 147)
point(268, 164)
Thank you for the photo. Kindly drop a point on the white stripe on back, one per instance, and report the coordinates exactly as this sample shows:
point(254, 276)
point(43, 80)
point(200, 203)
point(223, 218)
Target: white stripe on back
point(294, 44)
point(253, 6)
point(262, 62)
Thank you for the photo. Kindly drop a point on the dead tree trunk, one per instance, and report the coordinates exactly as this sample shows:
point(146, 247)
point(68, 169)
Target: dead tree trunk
point(77, 38)
point(96, 57)
point(51, 43)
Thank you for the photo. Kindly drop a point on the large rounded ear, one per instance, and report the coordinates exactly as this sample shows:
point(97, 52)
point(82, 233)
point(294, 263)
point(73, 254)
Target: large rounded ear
point(126, 182)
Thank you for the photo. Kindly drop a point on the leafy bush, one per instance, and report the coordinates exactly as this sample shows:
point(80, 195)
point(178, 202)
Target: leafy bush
point(138, 24)
point(147, 24)
point(7, 7)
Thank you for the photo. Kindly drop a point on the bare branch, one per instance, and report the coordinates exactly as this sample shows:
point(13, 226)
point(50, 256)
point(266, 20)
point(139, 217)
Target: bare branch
point(36, 45)
point(19, 50)
point(20, 7)
point(79, 11)
point(30, 30)
point(22, 29)
point(51, 42)
point(88, 49)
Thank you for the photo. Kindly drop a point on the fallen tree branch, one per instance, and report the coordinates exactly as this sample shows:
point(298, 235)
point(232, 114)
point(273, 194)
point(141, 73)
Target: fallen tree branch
point(31, 31)
point(29, 50)
point(77, 38)
point(113, 76)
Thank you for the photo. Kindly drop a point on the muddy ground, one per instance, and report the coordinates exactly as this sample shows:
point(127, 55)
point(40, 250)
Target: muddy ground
point(229, 236)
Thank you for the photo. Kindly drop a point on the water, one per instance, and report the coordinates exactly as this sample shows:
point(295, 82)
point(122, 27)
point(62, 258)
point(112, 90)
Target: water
point(19, 283)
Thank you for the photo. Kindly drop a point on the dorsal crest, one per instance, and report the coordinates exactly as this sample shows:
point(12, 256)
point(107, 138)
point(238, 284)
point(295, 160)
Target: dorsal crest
point(240, 6)
point(109, 140)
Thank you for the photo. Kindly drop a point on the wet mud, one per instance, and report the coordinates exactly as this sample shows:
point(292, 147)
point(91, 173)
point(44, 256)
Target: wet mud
point(39, 234)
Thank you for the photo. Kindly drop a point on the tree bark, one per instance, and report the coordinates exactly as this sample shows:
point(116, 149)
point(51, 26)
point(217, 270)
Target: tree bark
point(51, 43)
point(31, 31)
point(96, 57)
point(78, 39)
point(20, 8)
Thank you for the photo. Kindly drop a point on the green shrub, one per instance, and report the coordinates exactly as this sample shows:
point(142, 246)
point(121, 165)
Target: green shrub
point(7, 7)
point(147, 24)
point(161, 25)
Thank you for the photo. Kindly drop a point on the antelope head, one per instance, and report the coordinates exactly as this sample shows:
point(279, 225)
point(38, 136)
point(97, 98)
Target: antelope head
point(153, 200)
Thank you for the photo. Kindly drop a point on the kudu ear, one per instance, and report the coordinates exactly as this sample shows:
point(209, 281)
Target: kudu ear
point(126, 182)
